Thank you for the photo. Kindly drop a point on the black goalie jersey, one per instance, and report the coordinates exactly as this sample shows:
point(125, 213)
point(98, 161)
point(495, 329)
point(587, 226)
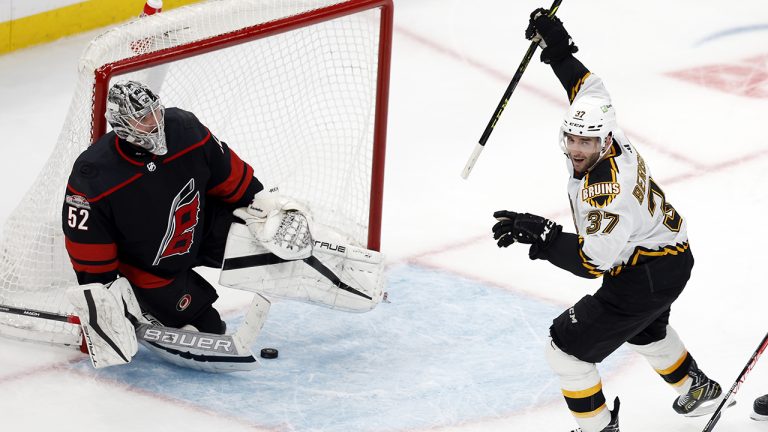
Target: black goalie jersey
point(131, 213)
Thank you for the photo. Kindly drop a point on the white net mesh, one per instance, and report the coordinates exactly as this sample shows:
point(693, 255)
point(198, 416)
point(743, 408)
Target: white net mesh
point(299, 106)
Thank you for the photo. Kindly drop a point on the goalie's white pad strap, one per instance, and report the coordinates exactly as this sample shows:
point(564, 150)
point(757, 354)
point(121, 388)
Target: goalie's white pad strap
point(337, 276)
point(106, 315)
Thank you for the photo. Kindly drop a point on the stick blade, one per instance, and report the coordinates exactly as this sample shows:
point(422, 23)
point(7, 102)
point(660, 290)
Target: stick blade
point(471, 161)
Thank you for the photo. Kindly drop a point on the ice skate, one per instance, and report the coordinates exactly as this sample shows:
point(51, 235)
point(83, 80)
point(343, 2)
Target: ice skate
point(702, 398)
point(613, 426)
point(760, 409)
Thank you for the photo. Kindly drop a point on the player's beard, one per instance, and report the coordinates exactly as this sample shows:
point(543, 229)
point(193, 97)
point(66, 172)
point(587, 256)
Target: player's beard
point(586, 163)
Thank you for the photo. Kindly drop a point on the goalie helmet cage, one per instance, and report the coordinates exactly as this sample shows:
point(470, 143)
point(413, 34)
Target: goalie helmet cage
point(298, 88)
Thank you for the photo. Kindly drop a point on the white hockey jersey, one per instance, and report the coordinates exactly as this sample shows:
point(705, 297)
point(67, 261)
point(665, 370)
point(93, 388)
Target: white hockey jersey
point(620, 212)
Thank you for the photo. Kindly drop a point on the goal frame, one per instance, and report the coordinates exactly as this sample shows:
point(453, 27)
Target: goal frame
point(104, 73)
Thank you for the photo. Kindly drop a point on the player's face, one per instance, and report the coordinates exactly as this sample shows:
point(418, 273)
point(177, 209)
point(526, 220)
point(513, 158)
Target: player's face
point(584, 151)
point(149, 123)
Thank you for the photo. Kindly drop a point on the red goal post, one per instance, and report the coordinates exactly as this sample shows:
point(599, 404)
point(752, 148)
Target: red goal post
point(298, 88)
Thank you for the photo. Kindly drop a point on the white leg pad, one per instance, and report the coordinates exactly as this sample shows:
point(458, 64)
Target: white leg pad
point(577, 376)
point(664, 354)
point(105, 315)
point(336, 275)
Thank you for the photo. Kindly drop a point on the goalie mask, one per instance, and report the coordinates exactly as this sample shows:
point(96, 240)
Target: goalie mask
point(584, 134)
point(137, 116)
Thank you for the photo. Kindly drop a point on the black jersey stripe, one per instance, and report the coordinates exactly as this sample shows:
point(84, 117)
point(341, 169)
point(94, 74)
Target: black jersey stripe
point(94, 268)
point(92, 263)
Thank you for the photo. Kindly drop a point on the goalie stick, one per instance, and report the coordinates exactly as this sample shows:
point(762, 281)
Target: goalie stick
point(735, 387)
point(192, 349)
point(504, 100)
point(31, 335)
point(40, 314)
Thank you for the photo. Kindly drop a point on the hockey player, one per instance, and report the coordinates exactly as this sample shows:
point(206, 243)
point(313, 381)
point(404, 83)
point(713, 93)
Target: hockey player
point(627, 232)
point(154, 198)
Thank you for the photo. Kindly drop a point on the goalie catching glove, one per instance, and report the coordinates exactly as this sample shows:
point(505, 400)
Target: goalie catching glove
point(336, 275)
point(107, 316)
point(279, 223)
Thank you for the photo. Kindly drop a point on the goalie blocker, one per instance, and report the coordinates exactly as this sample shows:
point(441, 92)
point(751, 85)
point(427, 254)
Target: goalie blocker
point(334, 274)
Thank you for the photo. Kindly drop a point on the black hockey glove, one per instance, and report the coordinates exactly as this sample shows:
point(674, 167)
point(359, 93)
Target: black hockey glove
point(524, 228)
point(504, 229)
point(552, 36)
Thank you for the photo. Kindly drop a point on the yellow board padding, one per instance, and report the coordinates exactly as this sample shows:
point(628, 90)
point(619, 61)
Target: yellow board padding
point(72, 19)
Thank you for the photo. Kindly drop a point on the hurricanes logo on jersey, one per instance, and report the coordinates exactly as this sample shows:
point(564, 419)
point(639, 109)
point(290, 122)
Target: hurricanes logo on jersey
point(182, 221)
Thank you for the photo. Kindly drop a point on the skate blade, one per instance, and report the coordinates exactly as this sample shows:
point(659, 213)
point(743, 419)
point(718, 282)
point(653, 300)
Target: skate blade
point(709, 407)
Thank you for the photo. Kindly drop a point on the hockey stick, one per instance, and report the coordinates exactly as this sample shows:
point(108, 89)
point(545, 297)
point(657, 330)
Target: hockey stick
point(504, 100)
point(192, 349)
point(40, 314)
point(28, 334)
point(739, 380)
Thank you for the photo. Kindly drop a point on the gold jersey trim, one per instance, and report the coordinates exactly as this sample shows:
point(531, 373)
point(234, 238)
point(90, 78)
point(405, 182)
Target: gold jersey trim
point(576, 87)
point(585, 261)
point(640, 253)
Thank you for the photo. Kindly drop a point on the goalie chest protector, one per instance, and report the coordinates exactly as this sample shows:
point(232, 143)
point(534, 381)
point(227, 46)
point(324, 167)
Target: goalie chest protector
point(144, 215)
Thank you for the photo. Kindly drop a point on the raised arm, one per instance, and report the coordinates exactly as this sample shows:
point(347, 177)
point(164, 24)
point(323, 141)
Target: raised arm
point(558, 50)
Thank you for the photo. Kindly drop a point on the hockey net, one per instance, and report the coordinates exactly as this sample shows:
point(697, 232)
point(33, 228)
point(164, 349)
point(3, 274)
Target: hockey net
point(298, 88)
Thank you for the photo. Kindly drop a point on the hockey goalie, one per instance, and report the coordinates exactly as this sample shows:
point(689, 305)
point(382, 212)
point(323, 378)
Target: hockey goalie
point(279, 251)
point(160, 195)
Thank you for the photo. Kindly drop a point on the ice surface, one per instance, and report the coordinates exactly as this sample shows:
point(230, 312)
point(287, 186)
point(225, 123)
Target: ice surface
point(459, 347)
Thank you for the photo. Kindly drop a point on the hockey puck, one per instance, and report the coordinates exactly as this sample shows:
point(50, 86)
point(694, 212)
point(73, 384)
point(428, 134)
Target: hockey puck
point(268, 353)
